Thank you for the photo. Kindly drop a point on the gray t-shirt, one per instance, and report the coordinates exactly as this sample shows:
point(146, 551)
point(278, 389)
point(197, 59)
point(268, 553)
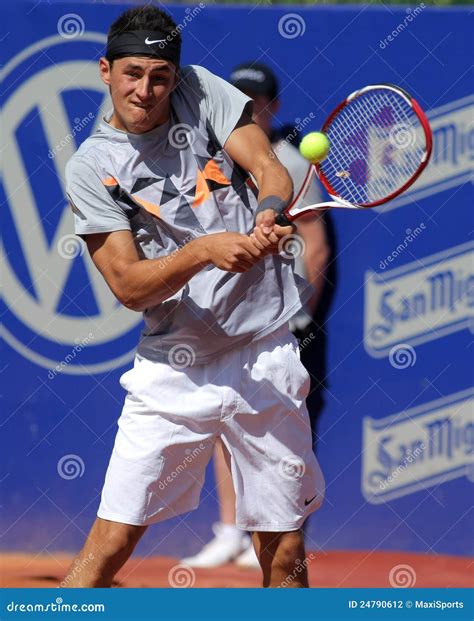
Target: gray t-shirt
point(169, 186)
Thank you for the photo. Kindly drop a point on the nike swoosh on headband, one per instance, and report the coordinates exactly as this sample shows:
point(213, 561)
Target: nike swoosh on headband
point(156, 41)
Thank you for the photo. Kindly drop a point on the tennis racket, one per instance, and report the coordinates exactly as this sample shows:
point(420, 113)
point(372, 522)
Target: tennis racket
point(380, 143)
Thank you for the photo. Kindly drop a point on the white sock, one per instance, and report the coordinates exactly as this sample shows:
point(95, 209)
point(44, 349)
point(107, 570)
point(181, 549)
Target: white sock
point(231, 531)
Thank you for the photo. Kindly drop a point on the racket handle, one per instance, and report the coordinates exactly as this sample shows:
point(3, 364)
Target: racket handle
point(282, 220)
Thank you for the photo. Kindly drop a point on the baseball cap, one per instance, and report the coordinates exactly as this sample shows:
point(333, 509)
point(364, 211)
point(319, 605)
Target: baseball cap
point(255, 78)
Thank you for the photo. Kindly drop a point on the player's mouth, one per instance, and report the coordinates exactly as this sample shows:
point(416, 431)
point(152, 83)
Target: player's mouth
point(142, 106)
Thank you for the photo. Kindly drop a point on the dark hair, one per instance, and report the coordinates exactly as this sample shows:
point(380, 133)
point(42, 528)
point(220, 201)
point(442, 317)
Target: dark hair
point(146, 17)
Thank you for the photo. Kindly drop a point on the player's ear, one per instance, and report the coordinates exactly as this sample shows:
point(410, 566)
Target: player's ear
point(104, 70)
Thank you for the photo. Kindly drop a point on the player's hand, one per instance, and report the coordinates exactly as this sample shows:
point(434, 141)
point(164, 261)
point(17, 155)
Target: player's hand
point(270, 243)
point(231, 252)
point(266, 220)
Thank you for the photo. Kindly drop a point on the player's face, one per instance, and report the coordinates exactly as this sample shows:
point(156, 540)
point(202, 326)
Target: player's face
point(140, 89)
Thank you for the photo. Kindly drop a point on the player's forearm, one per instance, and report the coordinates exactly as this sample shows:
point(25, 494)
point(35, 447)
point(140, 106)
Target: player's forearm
point(152, 281)
point(249, 147)
point(273, 180)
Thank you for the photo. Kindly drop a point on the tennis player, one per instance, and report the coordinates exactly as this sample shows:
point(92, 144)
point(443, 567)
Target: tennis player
point(260, 83)
point(161, 195)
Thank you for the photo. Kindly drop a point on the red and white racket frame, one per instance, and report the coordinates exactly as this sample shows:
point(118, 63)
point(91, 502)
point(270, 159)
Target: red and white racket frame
point(315, 169)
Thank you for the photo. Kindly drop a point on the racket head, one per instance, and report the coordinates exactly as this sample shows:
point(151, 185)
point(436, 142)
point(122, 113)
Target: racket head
point(380, 141)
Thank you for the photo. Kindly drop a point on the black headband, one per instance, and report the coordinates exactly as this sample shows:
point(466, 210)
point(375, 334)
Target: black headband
point(145, 43)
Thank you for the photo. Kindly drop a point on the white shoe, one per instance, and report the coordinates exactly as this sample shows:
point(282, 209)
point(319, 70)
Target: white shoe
point(248, 559)
point(229, 542)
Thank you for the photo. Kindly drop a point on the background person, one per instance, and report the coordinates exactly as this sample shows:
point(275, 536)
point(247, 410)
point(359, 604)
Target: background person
point(259, 82)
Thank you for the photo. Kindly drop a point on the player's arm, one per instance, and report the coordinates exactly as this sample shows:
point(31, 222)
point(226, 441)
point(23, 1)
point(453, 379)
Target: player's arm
point(248, 146)
point(141, 283)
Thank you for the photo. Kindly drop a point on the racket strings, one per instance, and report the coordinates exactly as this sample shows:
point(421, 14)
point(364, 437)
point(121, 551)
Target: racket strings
point(406, 130)
point(369, 149)
point(377, 145)
point(395, 116)
point(357, 120)
point(368, 178)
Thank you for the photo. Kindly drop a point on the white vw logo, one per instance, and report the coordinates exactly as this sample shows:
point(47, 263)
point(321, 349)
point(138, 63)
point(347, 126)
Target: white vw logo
point(48, 267)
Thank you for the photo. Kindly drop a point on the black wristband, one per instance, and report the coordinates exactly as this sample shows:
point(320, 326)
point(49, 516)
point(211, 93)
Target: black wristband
point(271, 202)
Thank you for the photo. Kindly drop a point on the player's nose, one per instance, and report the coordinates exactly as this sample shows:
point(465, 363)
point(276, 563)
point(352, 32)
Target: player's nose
point(143, 88)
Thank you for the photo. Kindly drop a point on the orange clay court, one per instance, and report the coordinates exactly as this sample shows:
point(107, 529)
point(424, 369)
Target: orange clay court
point(356, 569)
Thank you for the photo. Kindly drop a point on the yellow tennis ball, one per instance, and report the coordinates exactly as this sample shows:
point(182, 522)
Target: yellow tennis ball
point(314, 147)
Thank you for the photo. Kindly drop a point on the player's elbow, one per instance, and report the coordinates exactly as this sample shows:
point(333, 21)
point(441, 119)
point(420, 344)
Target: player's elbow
point(125, 288)
point(130, 299)
point(133, 286)
point(138, 300)
point(133, 304)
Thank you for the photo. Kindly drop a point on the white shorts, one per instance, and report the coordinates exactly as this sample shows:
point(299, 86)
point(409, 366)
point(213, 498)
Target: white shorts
point(251, 397)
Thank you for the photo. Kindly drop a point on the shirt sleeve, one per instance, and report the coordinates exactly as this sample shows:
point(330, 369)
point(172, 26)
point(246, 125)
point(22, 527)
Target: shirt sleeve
point(222, 103)
point(94, 209)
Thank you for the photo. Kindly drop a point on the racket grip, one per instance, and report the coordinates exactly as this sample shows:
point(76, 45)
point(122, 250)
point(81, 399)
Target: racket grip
point(282, 220)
